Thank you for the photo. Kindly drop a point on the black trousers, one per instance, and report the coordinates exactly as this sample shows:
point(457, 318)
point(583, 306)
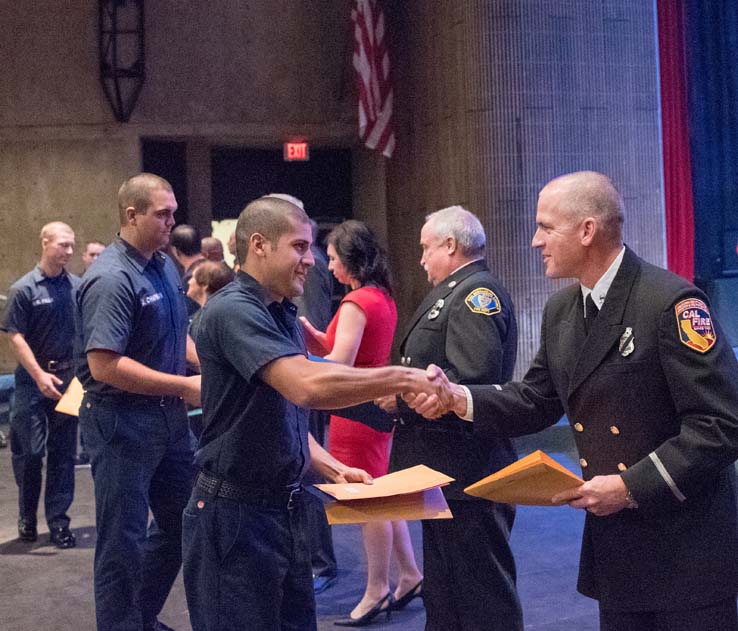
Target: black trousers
point(469, 570)
point(720, 616)
point(320, 537)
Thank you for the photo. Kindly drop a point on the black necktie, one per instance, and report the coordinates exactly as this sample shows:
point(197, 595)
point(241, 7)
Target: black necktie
point(590, 312)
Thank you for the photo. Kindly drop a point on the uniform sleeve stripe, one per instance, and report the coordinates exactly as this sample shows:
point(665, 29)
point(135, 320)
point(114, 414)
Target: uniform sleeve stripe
point(667, 478)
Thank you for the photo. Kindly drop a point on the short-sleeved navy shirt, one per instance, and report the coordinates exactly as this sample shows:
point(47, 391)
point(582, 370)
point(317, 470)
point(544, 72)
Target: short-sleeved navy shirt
point(42, 309)
point(252, 435)
point(134, 307)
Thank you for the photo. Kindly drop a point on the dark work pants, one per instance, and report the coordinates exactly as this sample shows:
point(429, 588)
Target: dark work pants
point(469, 570)
point(720, 616)
point(37, 430)
point(320, 537)
point(141, 458)
point(247, 565)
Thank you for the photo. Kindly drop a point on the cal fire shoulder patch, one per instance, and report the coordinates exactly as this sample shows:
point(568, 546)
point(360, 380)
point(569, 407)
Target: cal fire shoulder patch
point(694, 323)
point(484, 301)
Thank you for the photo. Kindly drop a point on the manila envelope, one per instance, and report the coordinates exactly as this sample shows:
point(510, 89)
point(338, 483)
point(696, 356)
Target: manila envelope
point(409, 494)
point(71, 400)
point(532, 480)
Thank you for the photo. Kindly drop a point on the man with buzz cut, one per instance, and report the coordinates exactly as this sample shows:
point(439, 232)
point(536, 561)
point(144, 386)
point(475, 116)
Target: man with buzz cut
point(133, 416)
point(40, 322)
point(246, 554)
point(632, 355)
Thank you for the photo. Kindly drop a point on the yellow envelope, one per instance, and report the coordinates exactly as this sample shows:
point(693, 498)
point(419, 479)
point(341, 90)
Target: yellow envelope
point(71, 400)
point(532, 480)
point(409, 494)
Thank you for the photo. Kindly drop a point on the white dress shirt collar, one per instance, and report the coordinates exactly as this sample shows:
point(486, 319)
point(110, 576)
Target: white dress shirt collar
point(602, 286)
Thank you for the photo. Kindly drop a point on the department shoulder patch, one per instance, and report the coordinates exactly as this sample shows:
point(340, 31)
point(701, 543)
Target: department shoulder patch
point(694, 324)
point(484, 301)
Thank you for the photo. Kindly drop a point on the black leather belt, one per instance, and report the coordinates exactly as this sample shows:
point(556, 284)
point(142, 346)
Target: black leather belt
point(285, 496)
point(142, 399)
point(57, 365)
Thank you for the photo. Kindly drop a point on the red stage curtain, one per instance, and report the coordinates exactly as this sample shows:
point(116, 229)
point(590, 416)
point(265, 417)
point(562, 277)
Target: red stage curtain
point(675, 130)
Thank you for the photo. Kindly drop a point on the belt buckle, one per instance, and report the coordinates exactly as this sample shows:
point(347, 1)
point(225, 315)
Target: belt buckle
point(51, 366)
point(294, 494)
point(162, 401)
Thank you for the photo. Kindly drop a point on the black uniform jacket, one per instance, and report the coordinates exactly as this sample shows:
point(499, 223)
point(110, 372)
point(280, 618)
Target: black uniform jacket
point(644, 404)
point(466, 325)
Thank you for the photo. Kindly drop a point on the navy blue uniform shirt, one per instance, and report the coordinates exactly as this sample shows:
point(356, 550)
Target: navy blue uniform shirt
point(252, 435)
point(41, 308)
point(132, 307)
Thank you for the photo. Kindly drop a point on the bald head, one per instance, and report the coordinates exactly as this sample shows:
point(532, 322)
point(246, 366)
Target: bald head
point(268, 216)
point(590, 194)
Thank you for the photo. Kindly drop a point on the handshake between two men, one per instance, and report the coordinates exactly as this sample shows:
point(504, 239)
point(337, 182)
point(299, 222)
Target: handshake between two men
point(444, 397)
point(432, 400)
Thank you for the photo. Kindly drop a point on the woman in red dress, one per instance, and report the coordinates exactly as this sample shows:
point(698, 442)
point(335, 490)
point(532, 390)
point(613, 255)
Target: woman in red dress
point(361, 334)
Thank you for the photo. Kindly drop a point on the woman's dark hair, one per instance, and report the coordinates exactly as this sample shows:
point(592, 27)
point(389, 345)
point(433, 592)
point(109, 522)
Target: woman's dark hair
point(213, 276)
point(361, 254)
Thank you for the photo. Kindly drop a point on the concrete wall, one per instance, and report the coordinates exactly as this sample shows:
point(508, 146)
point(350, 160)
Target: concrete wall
point(253, 74)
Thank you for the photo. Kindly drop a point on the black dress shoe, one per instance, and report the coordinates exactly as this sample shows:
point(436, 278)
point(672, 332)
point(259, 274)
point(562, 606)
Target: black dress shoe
point(403, 600)
point(62, 537)
point(26, 531)
point(383, 606)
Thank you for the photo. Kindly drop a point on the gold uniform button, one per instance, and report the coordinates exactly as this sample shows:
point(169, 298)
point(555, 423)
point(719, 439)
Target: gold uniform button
point(583, 462)
point(579, 427)
point(622, 466)
point(614, 430)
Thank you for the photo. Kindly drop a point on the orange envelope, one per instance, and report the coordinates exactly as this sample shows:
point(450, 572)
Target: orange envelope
point(71, 399)
point(409, 494)
point(532, 480)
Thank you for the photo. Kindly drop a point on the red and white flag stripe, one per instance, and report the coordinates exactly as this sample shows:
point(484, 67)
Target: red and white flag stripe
point(372, 66)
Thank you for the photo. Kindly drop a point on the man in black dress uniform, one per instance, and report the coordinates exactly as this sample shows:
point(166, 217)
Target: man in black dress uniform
point(466, 325)
point(633, 357)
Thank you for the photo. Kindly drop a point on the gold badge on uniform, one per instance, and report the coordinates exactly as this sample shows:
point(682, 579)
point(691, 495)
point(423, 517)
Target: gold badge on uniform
point(484, 301)
point(694, 324)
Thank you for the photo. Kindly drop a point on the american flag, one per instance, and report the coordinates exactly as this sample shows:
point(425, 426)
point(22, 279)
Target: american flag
point(372, 65)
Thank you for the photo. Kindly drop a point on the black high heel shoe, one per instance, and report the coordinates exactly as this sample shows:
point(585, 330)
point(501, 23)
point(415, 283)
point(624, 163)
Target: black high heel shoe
point(403, 600)
point(383, 606)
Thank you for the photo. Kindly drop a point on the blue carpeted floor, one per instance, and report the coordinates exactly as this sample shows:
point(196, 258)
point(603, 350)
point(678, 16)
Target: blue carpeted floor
point(545, 542)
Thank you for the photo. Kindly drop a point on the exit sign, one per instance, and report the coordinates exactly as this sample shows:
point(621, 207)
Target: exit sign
point(295, 151)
